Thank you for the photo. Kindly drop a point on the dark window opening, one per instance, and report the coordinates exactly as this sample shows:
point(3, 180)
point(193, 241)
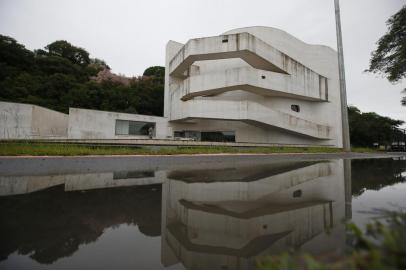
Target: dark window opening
point(132, 174)
point(179, 134)
point(192, 135)
point(224, 40)
point(126, 127)
point(295, 108)
point(263, 77)
point(297, 193)
point(218, 136)
point(208, 136)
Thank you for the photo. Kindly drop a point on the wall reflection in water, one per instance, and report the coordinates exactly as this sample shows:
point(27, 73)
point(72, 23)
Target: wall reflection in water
point(225, 222)
point(209, 215)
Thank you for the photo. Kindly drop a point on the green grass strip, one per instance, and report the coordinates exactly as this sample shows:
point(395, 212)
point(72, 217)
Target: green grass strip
point(42, 149)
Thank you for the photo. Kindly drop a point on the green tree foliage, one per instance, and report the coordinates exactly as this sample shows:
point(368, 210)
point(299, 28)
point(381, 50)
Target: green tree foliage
point(66, 50)
point(369, 128)
point(156, 71)
point(14, 58)
point(59, 77)
point(390, 56)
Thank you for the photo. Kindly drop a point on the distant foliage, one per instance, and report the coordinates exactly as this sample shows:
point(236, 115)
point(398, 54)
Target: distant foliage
point(369, 128)
point(60, 76)
point(156, 71)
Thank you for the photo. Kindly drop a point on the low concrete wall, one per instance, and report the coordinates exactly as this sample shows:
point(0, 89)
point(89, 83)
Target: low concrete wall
point(92, 124)
point(26, 121)
point(48, 123)
point(15, 120)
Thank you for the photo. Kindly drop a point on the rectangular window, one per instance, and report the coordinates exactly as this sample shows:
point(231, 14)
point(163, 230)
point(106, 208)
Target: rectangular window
point(126, 127)
point(208, 136)
point(323, 87)
point(120, 175)
point(218, 136)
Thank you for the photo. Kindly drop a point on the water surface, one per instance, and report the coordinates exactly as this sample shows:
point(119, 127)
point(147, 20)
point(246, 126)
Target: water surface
point(206, 215)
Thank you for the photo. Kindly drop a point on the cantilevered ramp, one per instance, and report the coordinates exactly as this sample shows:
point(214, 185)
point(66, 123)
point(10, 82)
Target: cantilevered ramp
point(252, 113)
point(181, 234)
point(251, 49)
point(245, 46)
point(304, 85)
point(251, 209)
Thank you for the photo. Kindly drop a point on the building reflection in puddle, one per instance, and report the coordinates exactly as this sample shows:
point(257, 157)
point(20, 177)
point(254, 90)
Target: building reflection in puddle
point(225, 222)
point(209, 215)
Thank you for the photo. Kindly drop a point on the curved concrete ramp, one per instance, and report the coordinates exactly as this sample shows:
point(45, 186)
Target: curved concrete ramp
point(249, 48)
point(252, 113)
point(240, 174)
point(254, 247)
point(306, 86)
point(248, 210)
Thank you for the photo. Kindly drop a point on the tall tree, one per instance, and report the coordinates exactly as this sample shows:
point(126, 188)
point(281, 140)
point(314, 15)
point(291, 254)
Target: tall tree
point(14, 57)
point(156, 71)
point(389, 58)
point(66, 50)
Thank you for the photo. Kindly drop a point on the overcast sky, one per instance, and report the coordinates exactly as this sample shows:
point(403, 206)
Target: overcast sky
point(131, 35)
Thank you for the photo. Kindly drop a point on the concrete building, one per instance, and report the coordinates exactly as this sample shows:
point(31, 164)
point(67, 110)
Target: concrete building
point(248, 85)
point(26, 121)
point(255, 84)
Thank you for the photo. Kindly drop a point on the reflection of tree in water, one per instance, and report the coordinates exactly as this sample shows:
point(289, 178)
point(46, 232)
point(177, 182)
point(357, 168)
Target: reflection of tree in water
point(375, 174)
point(53, 223)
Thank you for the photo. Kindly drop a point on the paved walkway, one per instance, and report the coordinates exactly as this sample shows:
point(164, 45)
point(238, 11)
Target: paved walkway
point(56, 164)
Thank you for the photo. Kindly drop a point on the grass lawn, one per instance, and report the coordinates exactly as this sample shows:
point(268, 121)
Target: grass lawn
point(42, 149)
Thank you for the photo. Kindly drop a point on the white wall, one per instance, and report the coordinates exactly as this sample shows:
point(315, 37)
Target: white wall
point(26, 121)
point(92, 124)
point(47, 123)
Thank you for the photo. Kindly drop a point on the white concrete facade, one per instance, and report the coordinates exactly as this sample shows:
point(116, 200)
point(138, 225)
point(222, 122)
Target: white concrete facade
point(92, 124)
point(246, 80)
point(26, 121)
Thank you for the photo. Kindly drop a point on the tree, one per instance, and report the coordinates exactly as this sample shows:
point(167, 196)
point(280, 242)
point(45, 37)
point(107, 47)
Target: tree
point(366, 129)
point(66, 50)
point(156, 71)
point(390, 56)
point(14, 57)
